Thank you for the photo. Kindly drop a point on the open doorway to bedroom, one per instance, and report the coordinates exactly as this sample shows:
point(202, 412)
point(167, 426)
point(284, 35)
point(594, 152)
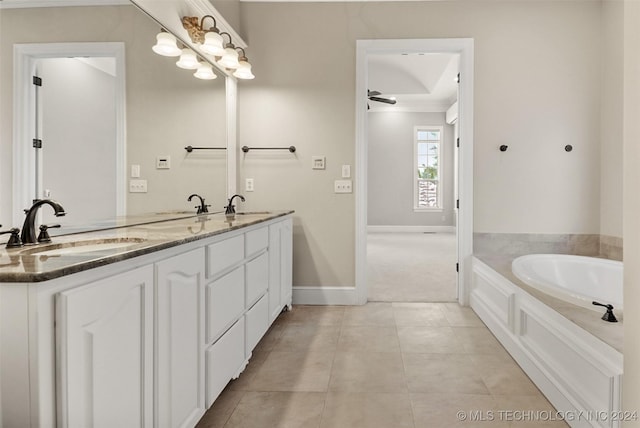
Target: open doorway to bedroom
point(414, 196)
point(412, 170)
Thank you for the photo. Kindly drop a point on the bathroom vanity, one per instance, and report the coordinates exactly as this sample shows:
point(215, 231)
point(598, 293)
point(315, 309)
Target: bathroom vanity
point(142, 325)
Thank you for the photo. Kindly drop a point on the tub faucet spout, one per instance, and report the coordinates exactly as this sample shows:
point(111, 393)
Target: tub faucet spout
point(608, 316)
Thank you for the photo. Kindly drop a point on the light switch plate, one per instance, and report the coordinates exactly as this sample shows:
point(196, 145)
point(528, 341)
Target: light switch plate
point(318, 162)
point(346, 171)
point(163, 162)
point(135, 171)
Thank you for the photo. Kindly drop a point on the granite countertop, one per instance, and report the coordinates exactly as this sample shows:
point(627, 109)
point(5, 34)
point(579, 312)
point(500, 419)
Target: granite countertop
point(122, 239)
point(589, 320)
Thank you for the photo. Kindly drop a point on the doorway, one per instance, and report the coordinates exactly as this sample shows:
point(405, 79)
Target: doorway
point(464, 174)
point(69, 144)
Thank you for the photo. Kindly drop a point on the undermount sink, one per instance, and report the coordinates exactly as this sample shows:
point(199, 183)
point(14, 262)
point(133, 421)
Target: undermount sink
point(254, 213)
point(81, 247)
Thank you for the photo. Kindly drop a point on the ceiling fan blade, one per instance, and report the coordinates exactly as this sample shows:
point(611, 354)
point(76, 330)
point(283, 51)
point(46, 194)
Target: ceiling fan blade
point(382, 100)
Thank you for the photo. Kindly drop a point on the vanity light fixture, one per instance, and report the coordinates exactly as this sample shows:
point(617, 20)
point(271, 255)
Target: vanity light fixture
point(244, 68)
point(210, 41)
point(205, 72)
point(166, 44)
point(230, 57)
point(188, 60)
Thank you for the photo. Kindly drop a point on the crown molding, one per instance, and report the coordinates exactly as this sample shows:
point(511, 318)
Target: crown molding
point(20, 4)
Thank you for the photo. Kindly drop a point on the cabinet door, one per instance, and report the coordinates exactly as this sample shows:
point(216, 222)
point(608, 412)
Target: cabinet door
point(274, 271)
point(280, 266)
point(286, 262)
point(105, 352)
point(180, 340)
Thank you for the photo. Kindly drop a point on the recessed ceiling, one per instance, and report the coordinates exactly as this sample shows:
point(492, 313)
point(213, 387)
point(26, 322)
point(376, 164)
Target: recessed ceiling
point(419, 82)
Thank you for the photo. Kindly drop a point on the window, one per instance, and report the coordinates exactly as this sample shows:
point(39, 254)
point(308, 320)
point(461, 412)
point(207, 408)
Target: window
point(427, 168)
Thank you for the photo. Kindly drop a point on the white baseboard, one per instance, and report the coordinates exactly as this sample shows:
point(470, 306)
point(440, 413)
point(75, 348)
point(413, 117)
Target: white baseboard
point(324, 296)
point(411, 229)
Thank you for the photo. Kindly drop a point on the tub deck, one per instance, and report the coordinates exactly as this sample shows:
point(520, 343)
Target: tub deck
point(572, 356)
point(587, 319)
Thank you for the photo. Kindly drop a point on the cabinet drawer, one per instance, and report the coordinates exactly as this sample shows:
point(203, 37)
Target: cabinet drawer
point(256, 240)
point(257, 322)
point(257, 278)
point(223, 360)
point(225, 302)
point(224, 254)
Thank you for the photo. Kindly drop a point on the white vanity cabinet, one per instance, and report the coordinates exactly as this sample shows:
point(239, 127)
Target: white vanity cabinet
point(105, 352)
point(179, 337)
point(280, 262)
point(148, 341)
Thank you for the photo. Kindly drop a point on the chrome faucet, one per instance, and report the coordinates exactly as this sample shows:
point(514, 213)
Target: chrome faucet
point(230, 208)
point(202, 208)
point(28, 235)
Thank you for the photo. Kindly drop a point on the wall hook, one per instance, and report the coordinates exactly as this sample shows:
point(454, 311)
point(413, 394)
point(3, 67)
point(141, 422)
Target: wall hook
point(503, 148)
point(568, 148)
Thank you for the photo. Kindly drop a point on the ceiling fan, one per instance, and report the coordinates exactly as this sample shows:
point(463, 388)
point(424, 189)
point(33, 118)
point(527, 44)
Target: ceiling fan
point(373, 96)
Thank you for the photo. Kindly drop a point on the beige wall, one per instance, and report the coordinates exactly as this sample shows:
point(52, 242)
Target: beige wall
point(611, 118)
point(230, 9)
point(631, 392)
point(537, 88)
point(167, 108)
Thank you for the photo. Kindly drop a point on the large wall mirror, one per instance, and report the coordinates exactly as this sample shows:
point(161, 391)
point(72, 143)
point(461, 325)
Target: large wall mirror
point(95, 140)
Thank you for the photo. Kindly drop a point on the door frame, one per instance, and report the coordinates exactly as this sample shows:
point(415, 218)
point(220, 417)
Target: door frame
point(25, 57)
point(463, 47)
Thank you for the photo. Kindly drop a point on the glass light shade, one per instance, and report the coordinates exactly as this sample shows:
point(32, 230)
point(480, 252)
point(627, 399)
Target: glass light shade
point(244, 70)
point(229, 59)
point(205, 72)
point(188, 60)
point(212, 44)
point(166, 45)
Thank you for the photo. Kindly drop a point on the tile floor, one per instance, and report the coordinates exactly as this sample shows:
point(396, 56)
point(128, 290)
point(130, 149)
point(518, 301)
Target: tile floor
point(387, 365)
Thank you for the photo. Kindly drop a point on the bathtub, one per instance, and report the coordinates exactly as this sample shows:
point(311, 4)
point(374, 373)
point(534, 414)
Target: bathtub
point(574, 279)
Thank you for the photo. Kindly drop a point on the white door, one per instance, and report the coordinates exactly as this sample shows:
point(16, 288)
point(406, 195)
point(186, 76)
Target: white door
point(105, 352)
point(77, 160)
point(180, 340)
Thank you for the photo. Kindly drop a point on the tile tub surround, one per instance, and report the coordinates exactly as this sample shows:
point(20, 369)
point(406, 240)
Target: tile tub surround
point(441, 359)
point(608, 247)
point(611, 247)
point(589, 320)
point(18, 265)
point(534, 243)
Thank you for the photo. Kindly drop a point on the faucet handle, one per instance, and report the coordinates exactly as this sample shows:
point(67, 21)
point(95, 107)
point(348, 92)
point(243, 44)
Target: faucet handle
point(44, 237)
point(14, 241)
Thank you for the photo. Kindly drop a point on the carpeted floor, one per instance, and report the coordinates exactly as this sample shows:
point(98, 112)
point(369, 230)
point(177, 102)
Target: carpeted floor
point(411, 267)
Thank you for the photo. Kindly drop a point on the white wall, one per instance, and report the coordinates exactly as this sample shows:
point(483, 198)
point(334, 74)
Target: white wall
point(537, 83)
point(631, 136)
point(390, 175)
